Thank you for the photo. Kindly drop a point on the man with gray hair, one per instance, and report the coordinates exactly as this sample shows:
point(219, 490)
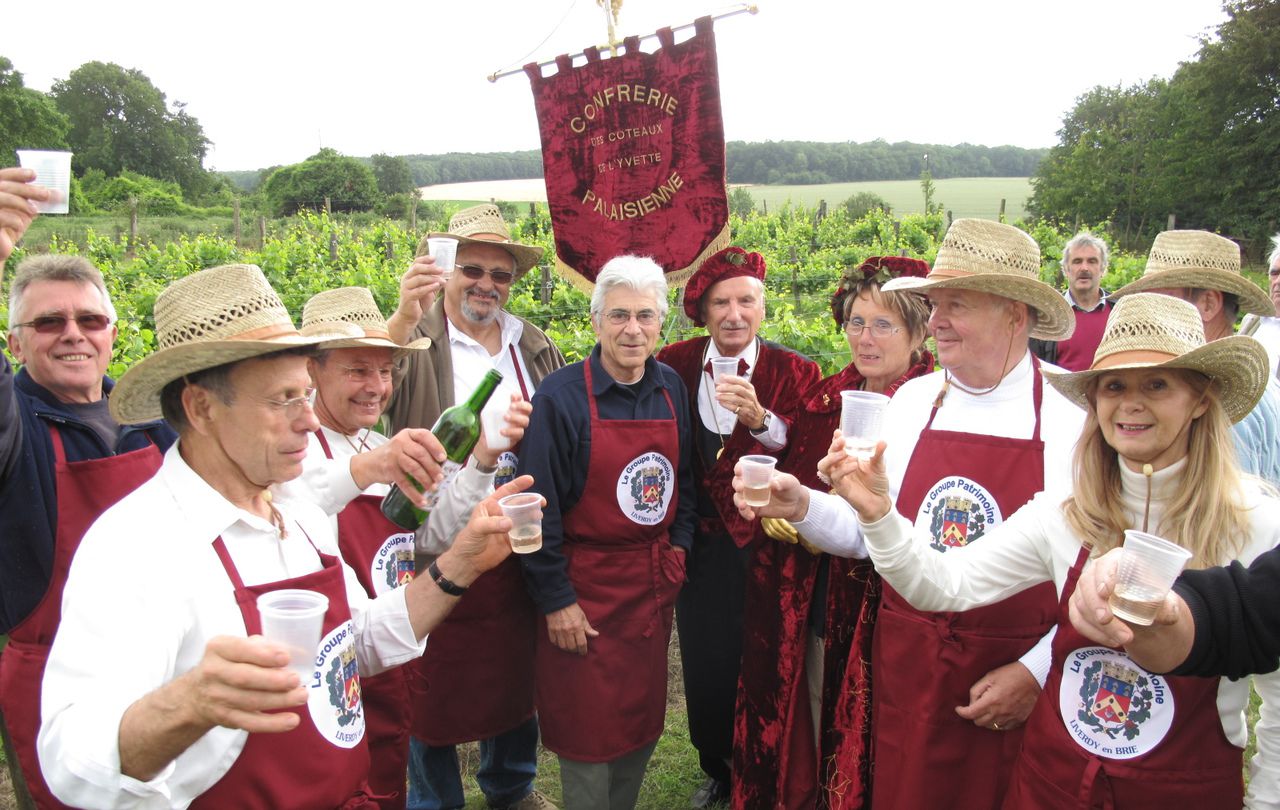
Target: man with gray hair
point(1265, 327)
point(611, 446)
point(63, 459)
point(1084, 263)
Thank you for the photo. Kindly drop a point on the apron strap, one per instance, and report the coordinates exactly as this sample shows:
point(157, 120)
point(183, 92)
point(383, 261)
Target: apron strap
point(515, 361)
point(324, 444)
point(1037, 394)
point(220, 548)
point(59, 452)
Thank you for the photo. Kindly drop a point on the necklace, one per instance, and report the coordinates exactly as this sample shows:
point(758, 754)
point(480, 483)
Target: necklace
point(364, 441)
point(710, 399)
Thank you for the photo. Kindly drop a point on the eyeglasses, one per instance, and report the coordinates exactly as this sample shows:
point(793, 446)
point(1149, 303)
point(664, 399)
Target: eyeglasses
point(644, 317)
point(880, 329)
point(476, 273)
point(56, 324)
point(293, 407)
point(363, 374)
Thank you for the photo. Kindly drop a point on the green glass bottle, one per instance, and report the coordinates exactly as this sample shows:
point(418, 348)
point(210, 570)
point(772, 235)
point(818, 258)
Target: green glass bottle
point(458, 430)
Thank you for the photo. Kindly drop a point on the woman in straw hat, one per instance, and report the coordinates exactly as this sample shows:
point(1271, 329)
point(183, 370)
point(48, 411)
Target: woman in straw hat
point(803, 605)
point(1155, 455)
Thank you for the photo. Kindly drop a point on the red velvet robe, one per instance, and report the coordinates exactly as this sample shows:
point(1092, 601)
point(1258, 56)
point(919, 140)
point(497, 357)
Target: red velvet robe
point(775, 764)
point(777, 375)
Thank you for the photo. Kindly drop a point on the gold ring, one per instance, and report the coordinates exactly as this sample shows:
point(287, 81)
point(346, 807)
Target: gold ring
point(735, 410)
point(995, 726)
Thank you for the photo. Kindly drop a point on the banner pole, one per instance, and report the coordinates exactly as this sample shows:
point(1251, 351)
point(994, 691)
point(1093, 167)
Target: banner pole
point(742, 8)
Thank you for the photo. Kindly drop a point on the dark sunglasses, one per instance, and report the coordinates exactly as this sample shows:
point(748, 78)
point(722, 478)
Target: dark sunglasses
point(55, 324)
point(476, 273)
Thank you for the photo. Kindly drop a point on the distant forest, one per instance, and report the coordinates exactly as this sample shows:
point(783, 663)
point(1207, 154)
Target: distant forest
point(772, 162)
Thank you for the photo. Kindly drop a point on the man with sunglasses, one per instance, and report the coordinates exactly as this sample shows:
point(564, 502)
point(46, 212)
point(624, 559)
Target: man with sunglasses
point(63, 459)
point(484, 651)
point(734, 415)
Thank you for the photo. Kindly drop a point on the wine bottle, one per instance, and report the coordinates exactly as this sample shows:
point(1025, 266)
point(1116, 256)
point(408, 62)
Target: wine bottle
point(458, 430)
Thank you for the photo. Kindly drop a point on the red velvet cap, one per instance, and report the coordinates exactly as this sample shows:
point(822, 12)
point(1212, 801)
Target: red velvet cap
point(728, 263)
point(879, 268)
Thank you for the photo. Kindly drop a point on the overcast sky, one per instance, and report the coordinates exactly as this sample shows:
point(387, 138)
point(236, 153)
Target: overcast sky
point(271, 81)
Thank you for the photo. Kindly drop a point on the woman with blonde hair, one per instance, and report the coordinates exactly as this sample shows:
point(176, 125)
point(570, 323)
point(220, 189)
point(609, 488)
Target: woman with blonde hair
point(1156, 455)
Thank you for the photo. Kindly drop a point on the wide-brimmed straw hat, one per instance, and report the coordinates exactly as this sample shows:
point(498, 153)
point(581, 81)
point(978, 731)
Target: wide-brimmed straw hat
point(1202, 261)
point(999, 259)
point(1147, 330)
point(207, 319)
point(483, 225)
point(353, 310)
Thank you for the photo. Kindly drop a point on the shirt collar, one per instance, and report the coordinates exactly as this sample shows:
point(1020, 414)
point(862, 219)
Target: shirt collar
point(750, 353)
point(206, 511)
point(1102, 300)
point(601, 381)
point(512, 330)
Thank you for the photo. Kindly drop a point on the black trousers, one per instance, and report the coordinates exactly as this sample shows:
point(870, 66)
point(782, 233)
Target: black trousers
point(709, 620)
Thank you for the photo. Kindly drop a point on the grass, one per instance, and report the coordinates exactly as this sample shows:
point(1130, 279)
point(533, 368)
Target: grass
point(963, 196)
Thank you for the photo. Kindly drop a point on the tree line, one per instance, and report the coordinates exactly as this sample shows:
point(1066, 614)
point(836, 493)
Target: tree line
point(1202, 146)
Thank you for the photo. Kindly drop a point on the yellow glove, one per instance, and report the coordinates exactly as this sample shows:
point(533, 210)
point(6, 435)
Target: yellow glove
point(782, 531)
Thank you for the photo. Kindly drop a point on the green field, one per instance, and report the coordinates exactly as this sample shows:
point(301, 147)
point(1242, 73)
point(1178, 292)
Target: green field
point(963, 196)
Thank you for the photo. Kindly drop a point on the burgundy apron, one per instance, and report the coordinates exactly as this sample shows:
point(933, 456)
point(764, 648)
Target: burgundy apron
point(923, 664)
point(475, 680)
point(85, 489)
point(1106, 733)
point(324, 761)
point(381, 553)
point(626, 574)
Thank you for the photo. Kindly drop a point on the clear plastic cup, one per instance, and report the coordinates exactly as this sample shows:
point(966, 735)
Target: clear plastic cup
point(53, 170)
point(861, 421)
point(757, 472)
point(1148, 567)
point(721, 366)
point(494, 419)
point(293, 619)
point(444, 250)
point(525, 511)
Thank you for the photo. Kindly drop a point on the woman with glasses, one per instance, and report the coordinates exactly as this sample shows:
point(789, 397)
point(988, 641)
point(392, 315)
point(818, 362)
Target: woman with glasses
point(803, 715)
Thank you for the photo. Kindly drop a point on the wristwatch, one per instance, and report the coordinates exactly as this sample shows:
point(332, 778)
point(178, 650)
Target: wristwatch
point(764, 423)
point(447, 585)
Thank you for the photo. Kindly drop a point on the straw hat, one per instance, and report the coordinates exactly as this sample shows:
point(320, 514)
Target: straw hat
point(352, 309)
point(483, 224)
point(991, 257)
point(1202, 261)
point(1147, 330)
point(206, 319)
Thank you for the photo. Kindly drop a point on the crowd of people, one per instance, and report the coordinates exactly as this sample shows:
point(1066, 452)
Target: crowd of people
point(926, 628)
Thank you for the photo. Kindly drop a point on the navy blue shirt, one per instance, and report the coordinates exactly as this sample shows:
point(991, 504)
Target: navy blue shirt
point(557, 447)
point(28, 492)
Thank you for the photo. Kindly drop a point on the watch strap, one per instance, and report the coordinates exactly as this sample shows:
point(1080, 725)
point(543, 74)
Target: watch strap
point(447, 585)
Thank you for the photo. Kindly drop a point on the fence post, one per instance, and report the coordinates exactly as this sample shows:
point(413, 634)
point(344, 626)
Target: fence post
point(262, 232)
point(897, 232)
point(822, 210)
point(391, 249)
point(1173, 222)
point(333, 246)
point(413, 217)
point(133, 224)
point(546, 284)
point(236, 213)
point(1002, 209)
point(950, 218)
point(795, 277)
point(327, 209)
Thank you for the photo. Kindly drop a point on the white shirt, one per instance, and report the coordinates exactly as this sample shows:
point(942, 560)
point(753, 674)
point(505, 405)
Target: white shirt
point(471, 361)
point(330, 486)
point(832, 525)
point(1035, 545)
point(145, 593)
point(719, 419)
point(1268, 334)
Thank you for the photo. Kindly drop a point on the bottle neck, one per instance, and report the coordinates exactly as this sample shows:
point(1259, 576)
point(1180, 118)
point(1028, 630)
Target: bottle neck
point(483, 391)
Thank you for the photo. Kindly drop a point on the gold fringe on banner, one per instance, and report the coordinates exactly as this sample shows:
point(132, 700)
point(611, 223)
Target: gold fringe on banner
point(675, 278)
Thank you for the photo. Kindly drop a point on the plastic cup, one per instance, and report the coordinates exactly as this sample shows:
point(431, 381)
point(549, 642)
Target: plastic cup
point(1148, 567)
point(721, 366)
point(525, 511)
point(444, 250)
point(861, 421)
point(757, 472)
point(494, 420)
point(53, 170)
point(293, 619)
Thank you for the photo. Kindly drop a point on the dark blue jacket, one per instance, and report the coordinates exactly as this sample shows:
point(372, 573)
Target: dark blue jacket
point(28, 496)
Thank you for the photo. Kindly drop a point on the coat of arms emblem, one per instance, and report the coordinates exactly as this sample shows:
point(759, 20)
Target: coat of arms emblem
point(648, 488)
point(343, 679)
point(956, 522)
point(400, 568)
point(1115, 699)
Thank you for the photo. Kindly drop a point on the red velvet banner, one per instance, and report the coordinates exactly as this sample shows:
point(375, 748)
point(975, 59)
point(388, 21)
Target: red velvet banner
point(633, 154)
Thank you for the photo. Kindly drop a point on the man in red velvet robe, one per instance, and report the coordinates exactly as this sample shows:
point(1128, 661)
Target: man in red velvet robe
point(746, 412)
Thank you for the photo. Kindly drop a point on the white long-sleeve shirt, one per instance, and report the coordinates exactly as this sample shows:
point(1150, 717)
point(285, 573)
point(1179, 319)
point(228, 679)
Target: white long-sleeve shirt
point(1035, 545)
point(832, 525)
point(145, 594)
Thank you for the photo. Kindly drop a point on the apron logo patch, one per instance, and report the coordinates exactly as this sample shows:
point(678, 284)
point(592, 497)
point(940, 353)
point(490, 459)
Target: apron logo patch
point(334, 695)
point(1111, 706)
point(392, 565)
point(956, 512)
point(506, 471)
point(645, 488)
